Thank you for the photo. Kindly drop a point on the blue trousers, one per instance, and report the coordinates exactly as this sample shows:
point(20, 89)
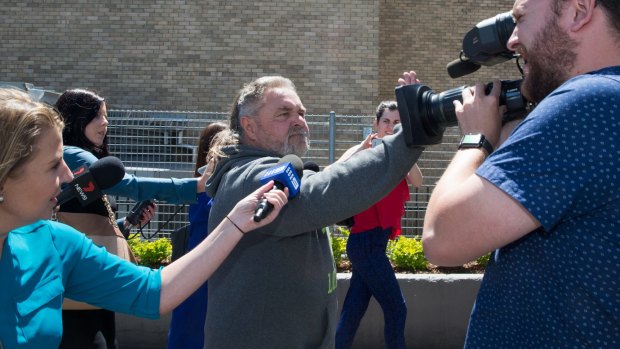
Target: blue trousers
point(372, 276)
point(188, 319)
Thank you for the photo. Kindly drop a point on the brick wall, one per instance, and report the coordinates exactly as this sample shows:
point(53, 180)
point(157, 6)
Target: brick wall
point(426, 35)
point(194, 55)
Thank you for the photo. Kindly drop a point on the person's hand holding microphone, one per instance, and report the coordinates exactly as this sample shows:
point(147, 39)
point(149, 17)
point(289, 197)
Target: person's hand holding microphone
point(285, 175)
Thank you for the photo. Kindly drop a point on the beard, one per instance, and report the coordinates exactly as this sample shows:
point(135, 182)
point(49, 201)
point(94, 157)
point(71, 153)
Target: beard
point(550, 61)
point(300, 147)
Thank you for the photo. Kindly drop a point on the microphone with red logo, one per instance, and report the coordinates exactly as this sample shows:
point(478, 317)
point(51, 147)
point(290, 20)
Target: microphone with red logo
point(88, 182)
point(286, 174)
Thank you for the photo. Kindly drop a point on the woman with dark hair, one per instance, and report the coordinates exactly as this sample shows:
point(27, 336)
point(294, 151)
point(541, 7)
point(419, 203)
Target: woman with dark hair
point(371, 230)
point(85, 141)
point(42, 262)
point(188, 319)
point(81, 107)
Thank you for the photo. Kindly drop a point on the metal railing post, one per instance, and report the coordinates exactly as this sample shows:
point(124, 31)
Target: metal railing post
point(332, 136)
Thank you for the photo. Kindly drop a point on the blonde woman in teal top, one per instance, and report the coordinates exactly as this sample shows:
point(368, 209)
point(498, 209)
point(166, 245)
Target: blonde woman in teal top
point(41, 261)
point(46, 261)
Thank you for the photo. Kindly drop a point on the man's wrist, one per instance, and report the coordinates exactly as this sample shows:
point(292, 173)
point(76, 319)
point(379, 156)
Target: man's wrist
point(479, 141)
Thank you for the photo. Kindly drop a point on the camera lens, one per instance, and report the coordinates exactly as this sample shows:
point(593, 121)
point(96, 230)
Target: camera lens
point(439, 107)
point(426, 114)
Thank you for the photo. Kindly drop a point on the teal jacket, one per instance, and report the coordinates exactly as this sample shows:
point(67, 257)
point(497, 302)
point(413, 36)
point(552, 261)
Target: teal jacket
point(43, 262)
point(170, 190)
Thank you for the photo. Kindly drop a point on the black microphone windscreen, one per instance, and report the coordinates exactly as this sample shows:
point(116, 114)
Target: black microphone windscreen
point(296, 162)
point(312, 166)
point(458, 68)
point(107, 171)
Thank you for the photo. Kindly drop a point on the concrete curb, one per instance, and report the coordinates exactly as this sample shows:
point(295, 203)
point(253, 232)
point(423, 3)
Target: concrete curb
point(438, 310)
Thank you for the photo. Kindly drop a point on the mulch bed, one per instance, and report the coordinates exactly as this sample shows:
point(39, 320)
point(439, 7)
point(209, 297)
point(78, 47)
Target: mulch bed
point(469, 268)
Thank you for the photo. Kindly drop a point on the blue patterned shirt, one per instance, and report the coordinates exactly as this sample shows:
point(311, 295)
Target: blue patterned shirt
point(558, 286)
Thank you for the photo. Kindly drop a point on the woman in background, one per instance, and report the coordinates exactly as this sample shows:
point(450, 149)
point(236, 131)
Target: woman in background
point(372, 273)
point(42, 261)
point(86, 140)
point(188, 319)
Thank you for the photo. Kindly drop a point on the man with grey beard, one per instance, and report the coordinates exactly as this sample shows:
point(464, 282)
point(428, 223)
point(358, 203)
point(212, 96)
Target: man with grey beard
point(277, 287)
point(547, 200)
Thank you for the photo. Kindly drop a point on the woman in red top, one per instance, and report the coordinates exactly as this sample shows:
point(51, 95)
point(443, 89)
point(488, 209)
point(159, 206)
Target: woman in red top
point(372, 272)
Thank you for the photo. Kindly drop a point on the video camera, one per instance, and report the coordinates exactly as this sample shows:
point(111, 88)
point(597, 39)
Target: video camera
point(425, 115)
point(484, 44)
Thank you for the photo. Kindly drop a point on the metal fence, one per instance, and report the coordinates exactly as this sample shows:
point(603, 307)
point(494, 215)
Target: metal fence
point(163, 144)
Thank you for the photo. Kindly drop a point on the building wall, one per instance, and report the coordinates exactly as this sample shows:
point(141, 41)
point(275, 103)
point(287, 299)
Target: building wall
point(343, 55)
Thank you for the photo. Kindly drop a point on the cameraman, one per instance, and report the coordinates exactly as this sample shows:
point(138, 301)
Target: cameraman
point(547, 200)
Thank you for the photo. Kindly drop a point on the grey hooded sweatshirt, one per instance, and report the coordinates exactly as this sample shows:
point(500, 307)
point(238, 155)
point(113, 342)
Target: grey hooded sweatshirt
point(277, 289)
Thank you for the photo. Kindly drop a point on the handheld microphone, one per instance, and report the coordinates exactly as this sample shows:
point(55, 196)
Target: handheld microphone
point(133, 217)
point(286, 174)
point(87, 184)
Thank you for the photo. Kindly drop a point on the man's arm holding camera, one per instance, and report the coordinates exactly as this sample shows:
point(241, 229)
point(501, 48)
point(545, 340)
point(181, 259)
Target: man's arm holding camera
point(467, 216)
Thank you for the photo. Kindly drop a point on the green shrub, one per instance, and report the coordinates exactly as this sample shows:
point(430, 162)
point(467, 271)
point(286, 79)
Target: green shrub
point(339, 244)
point(152, 254)
point(483, 260)
point(406, 254)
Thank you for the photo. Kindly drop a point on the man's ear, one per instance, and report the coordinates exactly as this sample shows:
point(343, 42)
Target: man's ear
point(581, 12)
point(248, 125)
